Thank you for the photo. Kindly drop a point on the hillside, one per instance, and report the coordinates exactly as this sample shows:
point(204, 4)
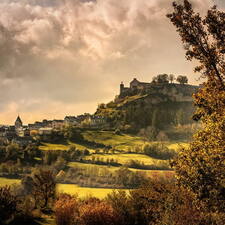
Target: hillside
point(159, 106)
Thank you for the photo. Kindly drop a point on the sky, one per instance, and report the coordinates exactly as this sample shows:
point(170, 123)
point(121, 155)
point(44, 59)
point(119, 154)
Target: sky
point(64, 57)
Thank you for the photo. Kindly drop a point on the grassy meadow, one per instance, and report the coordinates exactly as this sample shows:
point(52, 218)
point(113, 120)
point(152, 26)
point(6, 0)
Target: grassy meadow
point(81, 192)
point(6, 181)
point(104, 169)
point(123, 150)
point(120, 143)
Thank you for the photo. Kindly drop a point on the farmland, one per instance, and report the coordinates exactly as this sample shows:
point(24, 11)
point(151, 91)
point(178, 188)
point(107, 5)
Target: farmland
point(72, 189)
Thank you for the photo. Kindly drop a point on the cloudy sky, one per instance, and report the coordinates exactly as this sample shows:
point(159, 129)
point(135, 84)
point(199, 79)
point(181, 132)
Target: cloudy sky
point(63, 57)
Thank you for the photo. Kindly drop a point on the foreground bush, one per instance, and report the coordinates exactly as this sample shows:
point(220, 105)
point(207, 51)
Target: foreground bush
point(158, 203)
point(43, 188)
point(66, 210)
point(70, 211)
point(98, 213)
point(8, 205)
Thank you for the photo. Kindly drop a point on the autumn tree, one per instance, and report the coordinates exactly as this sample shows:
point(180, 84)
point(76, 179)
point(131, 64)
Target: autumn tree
point(201, 167)
point(43, 187)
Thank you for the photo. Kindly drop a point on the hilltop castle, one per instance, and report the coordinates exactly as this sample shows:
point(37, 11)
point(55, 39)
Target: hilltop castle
point(134, 85)
point(161, 84)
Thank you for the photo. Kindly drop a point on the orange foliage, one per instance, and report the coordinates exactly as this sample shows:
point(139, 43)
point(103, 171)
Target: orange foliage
point(66, 210)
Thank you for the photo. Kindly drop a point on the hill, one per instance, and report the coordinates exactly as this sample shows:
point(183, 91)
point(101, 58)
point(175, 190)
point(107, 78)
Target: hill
point(158, 107)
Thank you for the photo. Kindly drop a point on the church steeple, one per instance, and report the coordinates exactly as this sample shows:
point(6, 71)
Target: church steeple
point(18, 122)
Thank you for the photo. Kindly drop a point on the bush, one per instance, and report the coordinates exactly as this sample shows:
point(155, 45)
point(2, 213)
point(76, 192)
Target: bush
point(43, 188)
point(66, 210)
point(8, 205)
point(117, 131)
point(70, 211)
point(98, 213)
point(158, 151)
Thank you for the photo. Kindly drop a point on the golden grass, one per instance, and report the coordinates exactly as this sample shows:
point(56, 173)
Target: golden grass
point(122, 142)
point(125, 158)
point(49, 146)
point(104, 169)
point(177, 146)
point(72, 189)
point(6, 181)
point(83, 192)
point(119, 142)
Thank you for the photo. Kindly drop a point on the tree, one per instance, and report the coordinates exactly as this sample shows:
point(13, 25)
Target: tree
point(43, 187)
point(182, 79)
point(171, 78)
point(161, 78)
point(201, 167)
point(8, 205)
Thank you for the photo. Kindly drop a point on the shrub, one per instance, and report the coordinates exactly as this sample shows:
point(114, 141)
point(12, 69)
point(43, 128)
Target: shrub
point(8, 205)
point(98, 213)
point(70, 211)
point(66, 210)
point(43, 187)
point(117, 131)
point(158, 151)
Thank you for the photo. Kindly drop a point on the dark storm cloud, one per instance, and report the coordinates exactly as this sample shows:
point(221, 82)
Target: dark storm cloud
point(65, 56)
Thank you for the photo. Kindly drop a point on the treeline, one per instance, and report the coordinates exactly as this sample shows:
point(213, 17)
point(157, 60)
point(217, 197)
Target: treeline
point(102, 177)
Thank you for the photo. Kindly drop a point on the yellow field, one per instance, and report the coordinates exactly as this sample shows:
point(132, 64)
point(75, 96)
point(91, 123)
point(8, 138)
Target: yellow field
point(119, 142)
point(83, 192)
point(104, 169)
point(72, 189)
point(6, 181)
point(48, 146)
point(125, 158)
point(177, 146)
point(122, 142)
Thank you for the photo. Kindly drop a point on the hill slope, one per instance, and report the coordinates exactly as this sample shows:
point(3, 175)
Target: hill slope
point(161, 107)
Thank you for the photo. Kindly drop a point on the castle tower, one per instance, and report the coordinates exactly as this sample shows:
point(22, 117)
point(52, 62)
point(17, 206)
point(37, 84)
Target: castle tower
point(18, 122)
point(121, 87)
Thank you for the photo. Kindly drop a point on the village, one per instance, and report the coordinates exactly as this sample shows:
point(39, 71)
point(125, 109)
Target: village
point(23, 134)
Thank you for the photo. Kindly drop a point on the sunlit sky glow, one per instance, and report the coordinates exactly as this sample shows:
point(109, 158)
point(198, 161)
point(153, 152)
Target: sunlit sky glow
point(63, 57)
